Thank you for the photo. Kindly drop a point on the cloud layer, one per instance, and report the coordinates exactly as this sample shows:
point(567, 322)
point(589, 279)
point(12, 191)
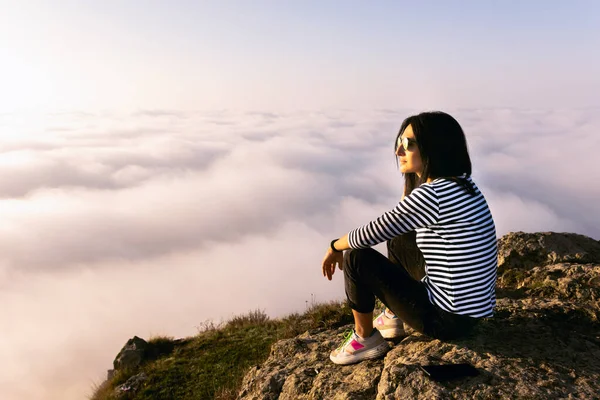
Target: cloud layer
point(151, 222)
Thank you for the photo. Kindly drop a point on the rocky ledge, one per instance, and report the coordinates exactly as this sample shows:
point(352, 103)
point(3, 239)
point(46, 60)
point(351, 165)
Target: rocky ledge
point(542, 343)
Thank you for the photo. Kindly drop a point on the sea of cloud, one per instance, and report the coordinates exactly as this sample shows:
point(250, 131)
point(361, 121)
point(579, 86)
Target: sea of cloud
point(153, 222)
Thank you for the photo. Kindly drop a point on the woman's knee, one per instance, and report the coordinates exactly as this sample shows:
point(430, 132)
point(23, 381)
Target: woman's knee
point(354, 255)
point(354, 258)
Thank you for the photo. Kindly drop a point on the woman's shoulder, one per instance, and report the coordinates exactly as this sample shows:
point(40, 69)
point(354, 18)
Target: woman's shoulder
point(445, 184)
point(460, 179)
point(451, 178)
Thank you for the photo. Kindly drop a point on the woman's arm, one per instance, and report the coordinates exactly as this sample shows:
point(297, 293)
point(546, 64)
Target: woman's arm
point(333, 258)
point(342, 243)
point(418, 209)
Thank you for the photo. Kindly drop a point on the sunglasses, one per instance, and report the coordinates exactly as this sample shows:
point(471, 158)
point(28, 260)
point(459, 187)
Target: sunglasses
point(407, 144)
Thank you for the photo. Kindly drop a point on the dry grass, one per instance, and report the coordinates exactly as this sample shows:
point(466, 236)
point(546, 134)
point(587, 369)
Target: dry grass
point(212, 364)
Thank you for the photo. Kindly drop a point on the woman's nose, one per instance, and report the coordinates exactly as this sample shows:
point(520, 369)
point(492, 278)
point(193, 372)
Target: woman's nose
point(400, 151)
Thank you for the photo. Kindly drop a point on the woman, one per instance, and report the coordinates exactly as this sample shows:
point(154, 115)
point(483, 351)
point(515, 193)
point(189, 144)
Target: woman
point(440, 277)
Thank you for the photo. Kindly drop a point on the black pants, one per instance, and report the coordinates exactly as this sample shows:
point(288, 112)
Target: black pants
point(396, 282)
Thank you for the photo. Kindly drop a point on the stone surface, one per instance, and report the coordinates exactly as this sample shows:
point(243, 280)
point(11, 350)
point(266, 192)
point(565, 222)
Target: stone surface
point(525, 250)
point(131, 355)
point(300, 368)
point(543, 341)
point(128, 389)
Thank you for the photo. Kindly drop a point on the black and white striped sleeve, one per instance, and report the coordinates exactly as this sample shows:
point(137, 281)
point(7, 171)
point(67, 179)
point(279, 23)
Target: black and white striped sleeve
point(417, 210)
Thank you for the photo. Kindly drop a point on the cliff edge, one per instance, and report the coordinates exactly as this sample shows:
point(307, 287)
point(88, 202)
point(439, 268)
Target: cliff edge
point(543, 342)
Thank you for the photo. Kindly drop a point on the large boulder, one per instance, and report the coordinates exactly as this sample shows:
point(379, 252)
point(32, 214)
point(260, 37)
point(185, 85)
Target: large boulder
point(525, 250)
point(131, 355)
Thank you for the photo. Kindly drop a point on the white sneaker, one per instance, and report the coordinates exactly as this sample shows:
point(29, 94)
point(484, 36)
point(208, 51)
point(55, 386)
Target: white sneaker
point(354, 348)
point(389, 327)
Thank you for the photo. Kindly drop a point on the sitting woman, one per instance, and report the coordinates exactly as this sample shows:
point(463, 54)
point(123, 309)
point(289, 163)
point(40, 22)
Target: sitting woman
point(440, 277)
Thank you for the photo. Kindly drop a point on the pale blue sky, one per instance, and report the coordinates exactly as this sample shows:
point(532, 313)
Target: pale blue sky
point(304, 54)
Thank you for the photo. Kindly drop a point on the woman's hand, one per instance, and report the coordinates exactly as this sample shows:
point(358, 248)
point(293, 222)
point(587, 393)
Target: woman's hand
point(329, 262)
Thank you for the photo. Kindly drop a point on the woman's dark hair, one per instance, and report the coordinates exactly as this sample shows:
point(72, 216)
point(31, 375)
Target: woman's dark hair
point(443, 148)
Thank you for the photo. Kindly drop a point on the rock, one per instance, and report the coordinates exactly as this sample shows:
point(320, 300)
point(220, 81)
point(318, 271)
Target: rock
point(131, 355)
point(530, 350)
point(131, 386)
point(533, 348)
point(524, 250)
point(543, 341)
point(300, 368)
point(564, 281)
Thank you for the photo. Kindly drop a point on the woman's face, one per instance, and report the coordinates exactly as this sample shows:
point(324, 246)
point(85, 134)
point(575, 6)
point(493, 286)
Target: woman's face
point(409, 160)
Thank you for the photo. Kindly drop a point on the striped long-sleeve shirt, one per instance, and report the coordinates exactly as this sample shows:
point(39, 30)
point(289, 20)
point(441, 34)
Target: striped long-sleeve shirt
point(457, 236)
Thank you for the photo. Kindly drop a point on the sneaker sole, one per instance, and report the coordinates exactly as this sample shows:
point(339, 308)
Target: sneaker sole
point(392, 333)
point(375, 352)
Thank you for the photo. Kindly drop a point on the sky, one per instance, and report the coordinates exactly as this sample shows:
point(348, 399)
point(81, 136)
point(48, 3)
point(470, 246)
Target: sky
point(295, 55)
point(167, 164)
